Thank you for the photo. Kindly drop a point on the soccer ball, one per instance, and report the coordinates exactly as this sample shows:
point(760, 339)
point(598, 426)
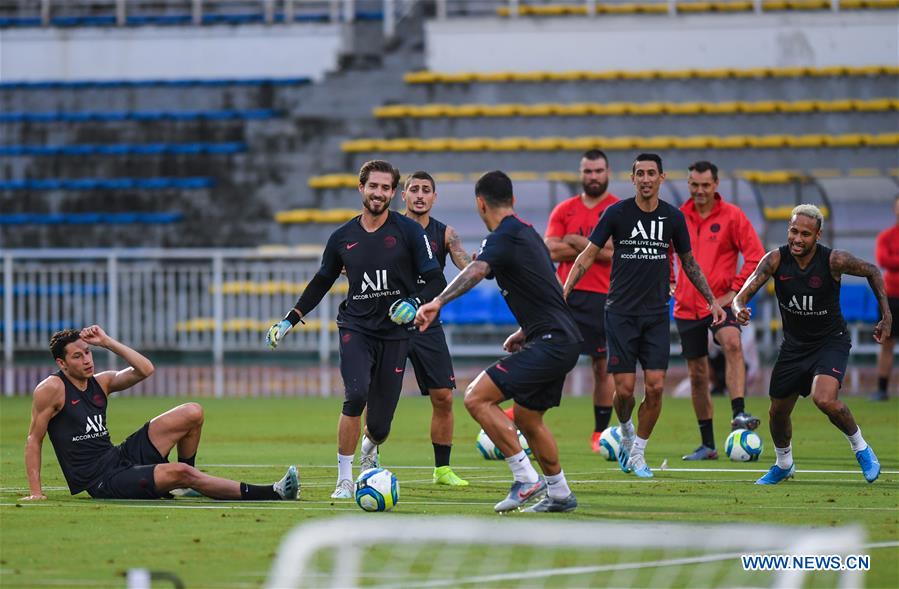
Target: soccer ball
point(377, 490)
point(489, 450)
point(743, 445)
point(610, 443)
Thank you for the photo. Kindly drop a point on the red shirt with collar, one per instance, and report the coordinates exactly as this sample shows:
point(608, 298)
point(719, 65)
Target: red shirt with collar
point(887, 254)
point(571, 216)
point(717, 241)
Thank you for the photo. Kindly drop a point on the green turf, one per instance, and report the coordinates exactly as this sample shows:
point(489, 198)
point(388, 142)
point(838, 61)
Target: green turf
point(75, 541)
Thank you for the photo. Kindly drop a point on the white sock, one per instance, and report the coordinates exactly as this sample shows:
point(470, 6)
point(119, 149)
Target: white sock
point(639, 446)
point(522, 469)
point(857, 441)
point(784, 457)
point(344, 467)
point(368, 447)
point(557, 486)
point(626, 428)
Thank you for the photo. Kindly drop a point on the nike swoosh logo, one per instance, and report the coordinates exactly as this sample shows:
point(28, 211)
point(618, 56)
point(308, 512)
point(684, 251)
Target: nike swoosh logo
point(501, 368)
point(398, 370)
point(837, 371)
point(350, 246)
point(528, 492)
point(785, 278)
point(662, 218)
point(75, 401)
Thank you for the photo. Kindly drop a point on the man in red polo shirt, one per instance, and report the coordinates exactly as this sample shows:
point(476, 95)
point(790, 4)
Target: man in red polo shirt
point(570, 224)
point(719, 232)
point(887, 254)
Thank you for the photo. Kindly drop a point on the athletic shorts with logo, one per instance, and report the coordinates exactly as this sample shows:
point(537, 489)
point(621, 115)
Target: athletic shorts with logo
point(132, 476)
point(431, 360)
point(589, 312)
point(637, 338)
point(533, 376)
point(694, 336)
point(797, 366)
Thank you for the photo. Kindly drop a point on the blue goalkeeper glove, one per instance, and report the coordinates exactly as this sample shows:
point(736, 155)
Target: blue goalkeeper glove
point(403, 311)
point(277, 331)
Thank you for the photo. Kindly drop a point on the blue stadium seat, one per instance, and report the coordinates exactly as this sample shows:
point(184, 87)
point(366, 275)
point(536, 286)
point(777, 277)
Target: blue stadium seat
point(501, 315)
point(858, 303)
point(24, 289)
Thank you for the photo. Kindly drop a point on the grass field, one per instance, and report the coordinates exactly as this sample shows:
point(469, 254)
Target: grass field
point(77, 542)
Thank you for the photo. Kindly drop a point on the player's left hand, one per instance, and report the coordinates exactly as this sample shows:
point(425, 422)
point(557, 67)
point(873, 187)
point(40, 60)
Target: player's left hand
point(426, 314)
point(883, 329)
point(95, 336)
point(402, 311)
point(718, 314)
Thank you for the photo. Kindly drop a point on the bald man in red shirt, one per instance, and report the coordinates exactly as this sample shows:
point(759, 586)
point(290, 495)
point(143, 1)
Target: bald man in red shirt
point(887, 254)
point(719, 233)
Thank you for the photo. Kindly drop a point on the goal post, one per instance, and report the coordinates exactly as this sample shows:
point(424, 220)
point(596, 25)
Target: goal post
point(391, 551)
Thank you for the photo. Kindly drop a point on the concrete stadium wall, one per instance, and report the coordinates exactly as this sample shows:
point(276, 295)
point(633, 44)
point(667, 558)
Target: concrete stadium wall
point(247, 51)
point(661, 41)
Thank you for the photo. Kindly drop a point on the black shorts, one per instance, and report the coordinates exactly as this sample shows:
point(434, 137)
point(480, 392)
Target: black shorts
point(372, 369)
point(132, 477)
point(533, 376)
point(431, 360)
point(796, 367)
point(589, 312)
point(694, 333)
point(638, 337)
point(894, 311)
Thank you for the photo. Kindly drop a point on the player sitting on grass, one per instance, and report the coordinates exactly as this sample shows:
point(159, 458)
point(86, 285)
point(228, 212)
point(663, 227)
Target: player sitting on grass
point(815, 349)
point(70, 405)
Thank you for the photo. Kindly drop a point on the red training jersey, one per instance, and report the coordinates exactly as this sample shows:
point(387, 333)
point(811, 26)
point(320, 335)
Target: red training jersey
point(887, 254)
point(572, 217)
point(717, 242)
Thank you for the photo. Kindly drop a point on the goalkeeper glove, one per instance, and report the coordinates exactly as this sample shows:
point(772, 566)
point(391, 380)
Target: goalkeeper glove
point(402, 311)
point(277, 331)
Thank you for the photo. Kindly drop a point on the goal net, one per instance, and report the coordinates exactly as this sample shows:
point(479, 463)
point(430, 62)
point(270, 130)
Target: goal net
point(404, 552)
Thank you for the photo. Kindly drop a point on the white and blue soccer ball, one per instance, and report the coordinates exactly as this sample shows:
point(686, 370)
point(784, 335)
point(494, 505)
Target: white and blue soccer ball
point(743, 445)
point(489, 450)
point(377, 490)
point(610, 443)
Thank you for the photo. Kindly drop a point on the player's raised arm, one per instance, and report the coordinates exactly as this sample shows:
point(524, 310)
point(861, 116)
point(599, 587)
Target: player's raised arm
point(48, 400)
point(460, 257)
point(472, 274)
point(766, 268)
point(842, 262)
point(111, 381)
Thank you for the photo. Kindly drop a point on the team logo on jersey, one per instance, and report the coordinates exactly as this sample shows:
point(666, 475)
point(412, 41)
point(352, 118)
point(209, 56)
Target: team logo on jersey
point(815, 282)
point(647, 243)
point(95, 427)
point(379, 283)
point(715, 228)
point(390, 242)
point(802, 303)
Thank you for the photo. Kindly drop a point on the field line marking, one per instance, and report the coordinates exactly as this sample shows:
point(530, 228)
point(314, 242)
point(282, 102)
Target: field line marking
point(610, 469)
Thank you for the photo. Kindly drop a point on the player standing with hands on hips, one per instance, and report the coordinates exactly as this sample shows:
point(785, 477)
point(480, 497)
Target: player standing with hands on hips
point(815, 350)
point(384, 253)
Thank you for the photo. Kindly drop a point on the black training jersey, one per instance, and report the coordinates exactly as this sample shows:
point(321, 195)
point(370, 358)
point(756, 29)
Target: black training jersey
point(381, 266)
point(526, 276)
point(436, 233)
point(79, 435)
point(809, 299)
point(640, 268)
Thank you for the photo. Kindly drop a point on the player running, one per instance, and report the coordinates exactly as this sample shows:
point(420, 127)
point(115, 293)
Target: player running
point(70, 405)
point(566, 236)
point(384, 253)
point(543, 350)
point(428, 352)
point(719, 233)
point(815, 349)
point(643, 229)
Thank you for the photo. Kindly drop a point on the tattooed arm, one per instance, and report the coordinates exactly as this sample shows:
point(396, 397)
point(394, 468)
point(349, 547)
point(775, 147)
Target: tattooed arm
point(767, 267)
point(842, 262)
point(691, 269)
point(458, 254)
point(461, 284)
point(581, 264)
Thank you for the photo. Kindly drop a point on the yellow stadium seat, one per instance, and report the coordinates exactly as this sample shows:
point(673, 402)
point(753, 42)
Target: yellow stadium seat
point(466, 110)
point(524, 176)
point(645, 108)
point(798, 106)
point(538, 110)
point(639, 74)
point(826, 172)
point(458, 77)
point(392, 111)
point(435, 144)
point(359, 145)
point(740, 6)
point(830, 70)
point(865, 172)
point(813, 140)
point(609, 109)
point(583, 143)
point(568, 76)
point(658, 142)
point(605, 75)
point(866, 70)
point(449, 177)
point(771, 5)
point(510, 144)
point(758, 107)
point(683, 108)
point(808, 4)
point(882, 4)
point(693, 142)
point(750, 72)
point(494, 77)
point(332, 181)
point(730, 142)
point(334, 215)
point(767, 141)
point(294, 216)
point(618, 143)
point(429, 110)
point(883, 140)
point(420, 77)
point(562, 176)
point(617, 8)
point(675, 74)
point(471, 144)
point(503, 11)
point(401, 144)
point(874, 104)
point(720, 108)
point(789, 72)
point(498, 110)
point(852, 4)
point(575, 109)
point(530, 76)
point(715, 73)
point(845, 140)
point(652, 8)
point(694, 6)
point(547, 143)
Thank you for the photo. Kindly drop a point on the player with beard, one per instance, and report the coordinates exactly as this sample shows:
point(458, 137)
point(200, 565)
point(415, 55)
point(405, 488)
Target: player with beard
point(815, 350)
point(384, 254)
point(570, 223)
point(428, 352)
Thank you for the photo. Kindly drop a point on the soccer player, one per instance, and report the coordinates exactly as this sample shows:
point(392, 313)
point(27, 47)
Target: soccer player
point(566, 236)
point(428, 352)
point(815, 349)
point(384, 253)
point(887, 254)
point(719, 233)
point(71, 404)
point(542, 351)
point(643, 229)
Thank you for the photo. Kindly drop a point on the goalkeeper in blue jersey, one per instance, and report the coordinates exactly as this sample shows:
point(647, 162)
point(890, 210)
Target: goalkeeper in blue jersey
point(384, 253)
point(542, 351)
